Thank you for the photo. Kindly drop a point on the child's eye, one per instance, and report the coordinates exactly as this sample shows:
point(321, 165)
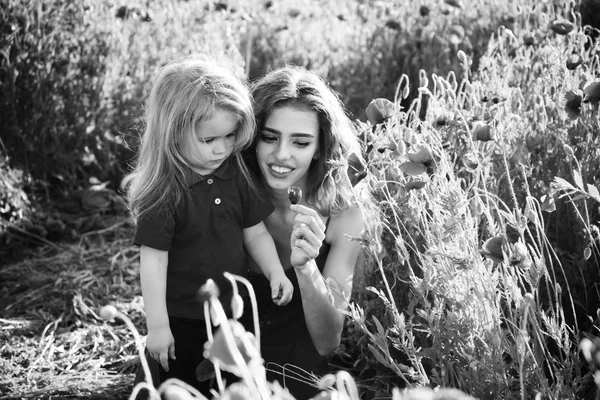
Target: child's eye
point(207, 141)
point(232, 135)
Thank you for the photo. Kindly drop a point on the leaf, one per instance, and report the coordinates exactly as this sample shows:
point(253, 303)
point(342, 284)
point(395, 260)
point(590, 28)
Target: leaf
point(379, 356)
point(562, 184)
point(578, 180)
point(380, 329)
point(593, 191)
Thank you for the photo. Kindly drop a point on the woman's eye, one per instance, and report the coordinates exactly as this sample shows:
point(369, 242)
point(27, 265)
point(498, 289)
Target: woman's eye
point(268, 138)
point(302, 144)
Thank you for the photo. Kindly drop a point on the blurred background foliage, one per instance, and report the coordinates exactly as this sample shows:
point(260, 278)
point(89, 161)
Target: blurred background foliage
point(74, 76)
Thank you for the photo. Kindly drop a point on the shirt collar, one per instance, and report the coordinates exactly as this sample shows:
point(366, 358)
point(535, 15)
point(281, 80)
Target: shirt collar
point(226, 170)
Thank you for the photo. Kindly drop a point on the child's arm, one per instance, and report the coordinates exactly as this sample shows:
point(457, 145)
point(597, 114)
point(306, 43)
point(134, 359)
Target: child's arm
point(261, 247)
point(153, 276)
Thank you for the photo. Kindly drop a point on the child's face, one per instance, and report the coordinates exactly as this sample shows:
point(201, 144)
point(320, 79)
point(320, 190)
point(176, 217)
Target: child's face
point(211, 142)
point(287, 145)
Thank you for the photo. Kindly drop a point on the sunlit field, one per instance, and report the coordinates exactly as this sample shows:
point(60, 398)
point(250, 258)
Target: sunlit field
point(479, 123)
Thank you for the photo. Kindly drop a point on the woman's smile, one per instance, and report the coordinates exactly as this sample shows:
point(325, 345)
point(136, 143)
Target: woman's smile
point(281, 170)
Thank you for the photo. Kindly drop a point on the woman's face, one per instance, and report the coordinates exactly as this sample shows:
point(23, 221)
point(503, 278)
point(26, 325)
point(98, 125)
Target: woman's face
point(286, 146)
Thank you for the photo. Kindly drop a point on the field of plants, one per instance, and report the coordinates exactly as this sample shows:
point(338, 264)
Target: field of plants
point(483, 154)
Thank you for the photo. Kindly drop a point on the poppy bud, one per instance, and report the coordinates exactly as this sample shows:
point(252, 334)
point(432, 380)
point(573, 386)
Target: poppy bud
point(421, 154)
point(528, 39)
point(208, 290)
point(457, 34)
point(483, 133)
point(394, 25)
point(591, 351)
point(413, 168)
point(294, 194)
point(237, 306)
point(379, 110)
point(454, 3)
point(492, 248)
point(562, 27)
point(416, 183)
point(424, 11)
point(174, 392)
point(108, 312)
point(573, 104)
point(591, 92)
point(574, 61)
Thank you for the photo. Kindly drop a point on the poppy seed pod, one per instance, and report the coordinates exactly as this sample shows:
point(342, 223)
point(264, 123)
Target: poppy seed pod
point(562, 26)
point(379, 110)
point(591, 92)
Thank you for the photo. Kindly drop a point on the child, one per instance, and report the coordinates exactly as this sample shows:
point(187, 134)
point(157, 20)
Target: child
point(195, 208)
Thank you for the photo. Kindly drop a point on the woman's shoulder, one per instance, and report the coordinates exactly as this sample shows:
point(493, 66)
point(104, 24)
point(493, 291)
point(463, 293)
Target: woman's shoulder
point(350, 221)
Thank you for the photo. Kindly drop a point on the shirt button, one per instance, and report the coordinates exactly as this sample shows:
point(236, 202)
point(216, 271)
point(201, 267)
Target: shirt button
point(209, 181)
point(217, 201)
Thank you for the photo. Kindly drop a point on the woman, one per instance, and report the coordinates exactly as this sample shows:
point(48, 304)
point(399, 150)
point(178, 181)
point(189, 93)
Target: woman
point(304, 139)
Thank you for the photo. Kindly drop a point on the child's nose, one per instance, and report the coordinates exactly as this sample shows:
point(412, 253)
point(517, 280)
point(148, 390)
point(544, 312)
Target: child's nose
point(220, 147)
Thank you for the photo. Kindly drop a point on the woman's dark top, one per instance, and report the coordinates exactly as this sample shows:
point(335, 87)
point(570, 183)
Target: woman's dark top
point(286, 345)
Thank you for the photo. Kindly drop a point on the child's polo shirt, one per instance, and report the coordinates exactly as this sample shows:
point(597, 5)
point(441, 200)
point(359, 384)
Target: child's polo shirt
point(204, 237)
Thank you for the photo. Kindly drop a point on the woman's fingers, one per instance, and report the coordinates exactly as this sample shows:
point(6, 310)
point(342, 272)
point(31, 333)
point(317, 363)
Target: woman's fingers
point(304, 232)
point(315, 225)
point(308, 216)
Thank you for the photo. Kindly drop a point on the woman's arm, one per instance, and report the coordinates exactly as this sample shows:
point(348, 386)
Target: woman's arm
point(323, 318)
point(153, 277)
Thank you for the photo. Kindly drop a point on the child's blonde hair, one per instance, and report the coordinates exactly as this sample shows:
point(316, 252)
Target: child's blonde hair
point(185, 92)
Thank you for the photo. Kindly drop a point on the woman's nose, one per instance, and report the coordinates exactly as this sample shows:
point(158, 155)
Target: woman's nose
point(282, 152)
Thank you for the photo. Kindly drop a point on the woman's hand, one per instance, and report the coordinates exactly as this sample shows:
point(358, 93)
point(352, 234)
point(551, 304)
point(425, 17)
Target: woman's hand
point(307, 235)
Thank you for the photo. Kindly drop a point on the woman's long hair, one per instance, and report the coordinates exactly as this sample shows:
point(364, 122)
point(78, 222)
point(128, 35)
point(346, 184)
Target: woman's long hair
point(185, 92)
point(328, 186)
